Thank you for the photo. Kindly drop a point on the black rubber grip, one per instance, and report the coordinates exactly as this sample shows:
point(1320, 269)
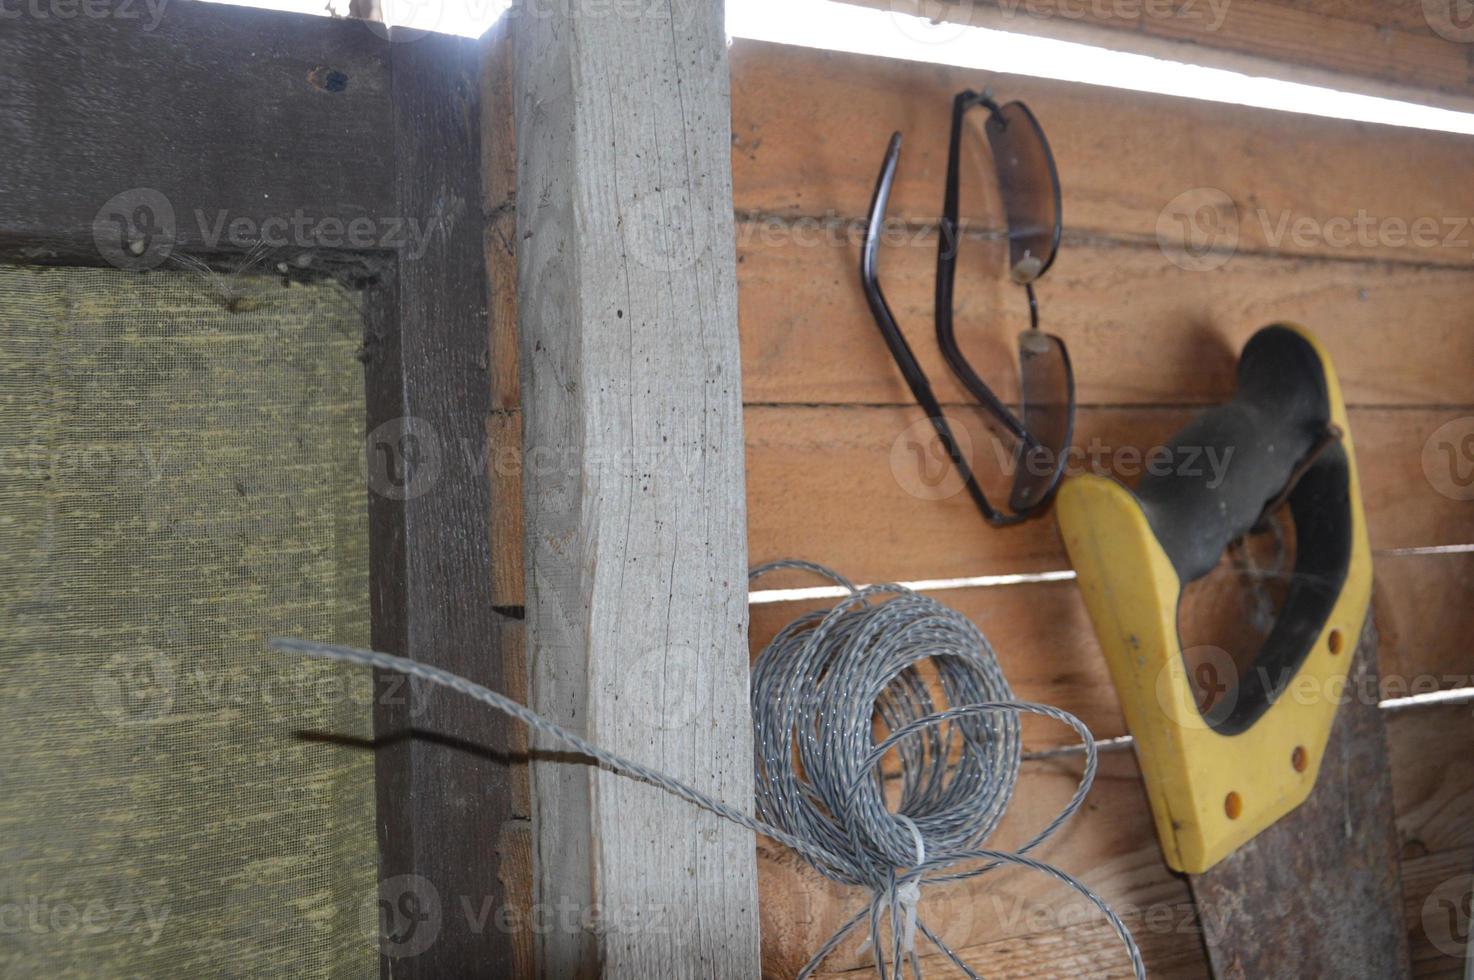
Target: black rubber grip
point(1279, 414)
point(1232, 460)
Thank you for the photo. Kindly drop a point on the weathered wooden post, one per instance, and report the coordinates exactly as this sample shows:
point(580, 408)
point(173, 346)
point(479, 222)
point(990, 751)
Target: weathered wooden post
point(635, 513)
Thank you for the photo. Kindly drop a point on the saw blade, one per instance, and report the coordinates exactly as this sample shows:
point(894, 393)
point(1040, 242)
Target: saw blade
point(1319, 893)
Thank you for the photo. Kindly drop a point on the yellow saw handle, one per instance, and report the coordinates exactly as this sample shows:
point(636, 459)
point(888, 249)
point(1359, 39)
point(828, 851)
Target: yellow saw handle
point(1217, 779)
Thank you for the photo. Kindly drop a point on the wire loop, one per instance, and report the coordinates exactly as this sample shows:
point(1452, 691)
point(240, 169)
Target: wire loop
point(816, 692)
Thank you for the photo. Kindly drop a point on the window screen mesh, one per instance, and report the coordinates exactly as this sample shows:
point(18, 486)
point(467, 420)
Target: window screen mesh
point(180, 479)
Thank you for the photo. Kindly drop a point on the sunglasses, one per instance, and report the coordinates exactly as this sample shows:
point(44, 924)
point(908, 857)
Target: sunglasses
point(1028, 185)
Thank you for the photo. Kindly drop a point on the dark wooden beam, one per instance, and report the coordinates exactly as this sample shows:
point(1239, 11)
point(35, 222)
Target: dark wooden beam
point(444, 790)
point(267, 117)
point(318, 143)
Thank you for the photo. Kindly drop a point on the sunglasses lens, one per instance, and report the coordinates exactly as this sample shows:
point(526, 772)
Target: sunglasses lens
point(1029, 186)
point(1048, 389)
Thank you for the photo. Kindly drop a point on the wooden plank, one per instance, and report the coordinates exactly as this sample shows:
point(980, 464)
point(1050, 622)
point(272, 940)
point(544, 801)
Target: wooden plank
point(859, 489)
point(504, 422)
point(1112, 846)
point(1407, 51)
point(1048, 651)
point(829, 408)
point(1425, 613)
point(504, 467)
point(1433, 783)
point(1437, 887)
point(1266, 181)
point(443, 786)
point(636, 550)
point(292, 148)
point(1140, 330)
point(1016, 925)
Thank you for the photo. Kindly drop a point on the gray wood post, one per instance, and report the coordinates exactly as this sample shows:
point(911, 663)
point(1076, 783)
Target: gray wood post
point(636, 526)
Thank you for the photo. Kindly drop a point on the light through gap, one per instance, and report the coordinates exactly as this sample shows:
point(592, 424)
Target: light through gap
point(837, 26)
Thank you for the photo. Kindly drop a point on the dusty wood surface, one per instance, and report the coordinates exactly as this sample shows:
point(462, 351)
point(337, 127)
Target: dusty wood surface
point(443, 784)
point(1322, 887)
point(1434, 791)
point(1141, 331)
point(259, 122)
point(1049, 652)
point(890, 512)
point(1155, 332)
point(1411, 51)
point(1249, 175)
point(504, 462)
point(635, 518)
point(1018, 926)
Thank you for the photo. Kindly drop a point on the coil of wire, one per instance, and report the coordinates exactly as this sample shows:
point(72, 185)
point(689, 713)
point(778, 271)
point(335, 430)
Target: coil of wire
point(817, 691)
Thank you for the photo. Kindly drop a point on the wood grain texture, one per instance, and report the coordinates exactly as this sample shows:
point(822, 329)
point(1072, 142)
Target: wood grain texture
point(1322, 885)
point(636, 530)
point(1153, 341)
point(504, 461)
point(1021, 926)
point(1387, 49)
point(1140, 330)
point(1111, 846)
point(182, 481)
point(269, 116)
point(1433, 786)
point(1123, 157)
point(861, 488)
point(444, 790)
point(1048, 651)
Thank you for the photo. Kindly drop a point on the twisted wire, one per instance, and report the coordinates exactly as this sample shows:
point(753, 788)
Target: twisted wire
point(817, 691)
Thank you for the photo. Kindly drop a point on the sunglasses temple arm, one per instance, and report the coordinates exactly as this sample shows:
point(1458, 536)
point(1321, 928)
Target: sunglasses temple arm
point(901, 351)
point(948, 244)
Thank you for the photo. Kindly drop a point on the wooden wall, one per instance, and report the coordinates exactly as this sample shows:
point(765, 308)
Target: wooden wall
point(1152, 339)
point(1416, 50)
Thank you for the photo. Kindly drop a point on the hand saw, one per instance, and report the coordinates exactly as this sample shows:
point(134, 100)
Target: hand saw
point(1276, 802)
